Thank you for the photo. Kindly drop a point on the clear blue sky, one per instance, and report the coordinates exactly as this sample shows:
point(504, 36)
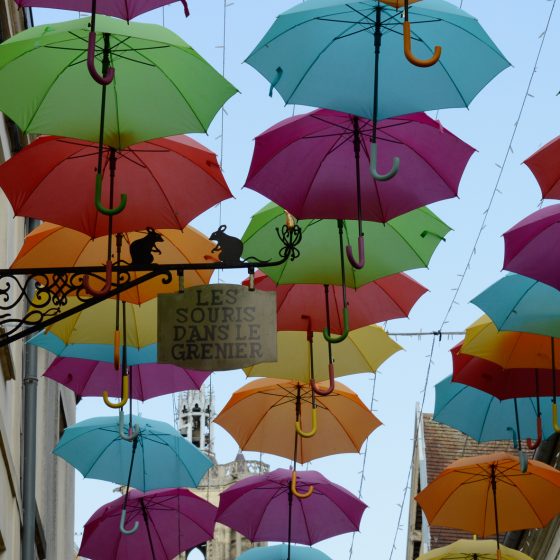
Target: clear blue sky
point(515, 26)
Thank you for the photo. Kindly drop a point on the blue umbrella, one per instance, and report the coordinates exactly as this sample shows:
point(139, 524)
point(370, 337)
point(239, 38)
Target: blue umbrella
point(99, 449)
point(280, 552)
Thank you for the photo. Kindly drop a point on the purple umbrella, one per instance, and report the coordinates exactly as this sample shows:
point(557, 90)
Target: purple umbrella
point(317, 166)
point(89, 378)
point(264, 508)
point(168, 522)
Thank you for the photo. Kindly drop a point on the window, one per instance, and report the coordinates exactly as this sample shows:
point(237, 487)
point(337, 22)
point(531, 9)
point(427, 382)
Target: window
point(14, 134)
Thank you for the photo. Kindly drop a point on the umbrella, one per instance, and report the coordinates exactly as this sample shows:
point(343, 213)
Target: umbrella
point(99, 449)
point(90, 378)
point(170, 181)
point(51, 245)
point(314, 165)
point(263, 508)
point(473, 549)
point(280, 552)
point(168, 522)
point(487, 494)
point(260, 417)
point(543, 164)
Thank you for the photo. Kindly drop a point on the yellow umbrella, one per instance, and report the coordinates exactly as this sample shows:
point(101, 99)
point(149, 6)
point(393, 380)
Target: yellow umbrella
point(473, 549)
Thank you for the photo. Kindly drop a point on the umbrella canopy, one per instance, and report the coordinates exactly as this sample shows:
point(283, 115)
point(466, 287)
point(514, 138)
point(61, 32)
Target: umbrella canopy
point(260, 417)
point(484, 417)
point(544, 166)
point(401, 244)
point(306, 164)
point(462, 497)
point(89, 378)
point(521, 304)
point(363, 350)
point(280, 552)
point(169, 181)
point(164, 87)
point(473, 549)
point(170, 521)
point(321, 53)
point(259, 508)
point(531, 246)
point(387, 298)
point(51, 245)
point(165, 459)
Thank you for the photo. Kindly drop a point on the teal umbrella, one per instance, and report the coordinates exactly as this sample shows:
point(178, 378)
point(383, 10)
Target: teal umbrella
point(280, 552)
point(149, 456)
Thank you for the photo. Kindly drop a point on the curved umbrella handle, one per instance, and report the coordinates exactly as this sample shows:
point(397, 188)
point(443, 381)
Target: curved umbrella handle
point(124, 399)
point(121, 525)
point(294, 490)
point(313, 425)
point(186, 8)
point(106, 287)
point(555, 418)
point(133, 434)
point(330, 389)
point(361, 254)
point(117, 350)
point(275, 80)
point(101, 80)
point(334, 339)
point(408, 50)
point(373, 166)
point(523, 464)
point(99, 205)
point(535, 444)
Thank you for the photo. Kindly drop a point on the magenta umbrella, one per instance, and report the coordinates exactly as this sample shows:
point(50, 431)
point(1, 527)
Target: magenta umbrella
point(264, 508)
point(317, 165)
point(532, 248)
point(90, 378)
point(167, 523)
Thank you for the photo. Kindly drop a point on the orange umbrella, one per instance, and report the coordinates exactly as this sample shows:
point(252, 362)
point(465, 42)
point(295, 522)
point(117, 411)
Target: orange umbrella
point(488, 494)
point(260, 416)
point(51, 245)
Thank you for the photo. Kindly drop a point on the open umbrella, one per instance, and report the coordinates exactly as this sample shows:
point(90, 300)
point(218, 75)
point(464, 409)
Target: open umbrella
point(280, 552)
point(100, 448)
point(260, 417)
point(168, 522)
point(473, 549)
point(544, 166)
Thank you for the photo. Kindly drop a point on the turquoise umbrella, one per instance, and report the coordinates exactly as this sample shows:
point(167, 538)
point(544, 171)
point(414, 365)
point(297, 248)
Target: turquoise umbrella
point(153, 455)
point(280, 552)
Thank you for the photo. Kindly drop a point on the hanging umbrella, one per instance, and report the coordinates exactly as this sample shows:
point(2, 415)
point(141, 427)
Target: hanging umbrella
point(263, 508)
point(280, 552)
point(473, 549)
point(90, 378)
point(170, 181)
point(169, 522)
point(544, 166)
point(164, 459)
point(487, 494)
point(51, 245)
point(260, 417)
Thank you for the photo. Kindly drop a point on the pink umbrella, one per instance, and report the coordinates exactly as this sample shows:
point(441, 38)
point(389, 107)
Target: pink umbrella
point(167, 522)
point(532, 248)
point(283, 505)
point(90, 378)
point(314, 166)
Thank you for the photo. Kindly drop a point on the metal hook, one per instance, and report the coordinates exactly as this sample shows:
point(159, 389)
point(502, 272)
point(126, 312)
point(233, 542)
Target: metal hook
point(336, 339)
point(110, 74)
point(121, 525)
point(330, 388)
point(313, 425)
point(294, 490)
point(361, 254)
point(124, 398)
point(99, 205)
point(133, 434)
point(373, 165)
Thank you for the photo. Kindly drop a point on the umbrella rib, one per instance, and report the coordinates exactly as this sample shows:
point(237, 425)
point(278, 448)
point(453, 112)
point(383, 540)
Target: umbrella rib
point(94, 463)
point(518, 301)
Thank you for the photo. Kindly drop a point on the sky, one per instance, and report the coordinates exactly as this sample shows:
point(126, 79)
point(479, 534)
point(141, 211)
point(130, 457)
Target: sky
point(503, 123)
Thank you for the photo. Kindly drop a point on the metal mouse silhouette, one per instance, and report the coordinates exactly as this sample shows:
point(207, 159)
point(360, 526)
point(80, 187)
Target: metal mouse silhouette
point(141, 250)
point(230, 247)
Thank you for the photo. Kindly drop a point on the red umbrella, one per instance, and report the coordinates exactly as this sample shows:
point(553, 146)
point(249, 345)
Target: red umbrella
point(53, 179)
point(544, 165)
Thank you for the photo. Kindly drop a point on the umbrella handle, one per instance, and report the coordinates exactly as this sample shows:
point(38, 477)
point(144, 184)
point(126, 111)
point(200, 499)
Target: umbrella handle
point(330, 389)
point(408, 50)
point(124, 398)
point(535, 444)
point(313, 425)
point(185, 7)
point(121, 525)
point(373, 165)
point(294, 490)
point(106, 287)
point(133, 434)
point(101, 80)
point(334, 339)
point(555, 418)
point(523, 464)
point(99, 205)
point(361, 254)
point(275, 80)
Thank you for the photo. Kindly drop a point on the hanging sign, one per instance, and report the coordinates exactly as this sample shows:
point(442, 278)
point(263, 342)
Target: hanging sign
point(217, 327)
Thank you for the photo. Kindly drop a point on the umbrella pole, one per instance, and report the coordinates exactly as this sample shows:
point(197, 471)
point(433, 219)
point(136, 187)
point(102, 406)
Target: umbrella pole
point(123, 512)
point(530, 443)
point(147, 523)
point(493, 483)
point(554, 405)
point(112, 169)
